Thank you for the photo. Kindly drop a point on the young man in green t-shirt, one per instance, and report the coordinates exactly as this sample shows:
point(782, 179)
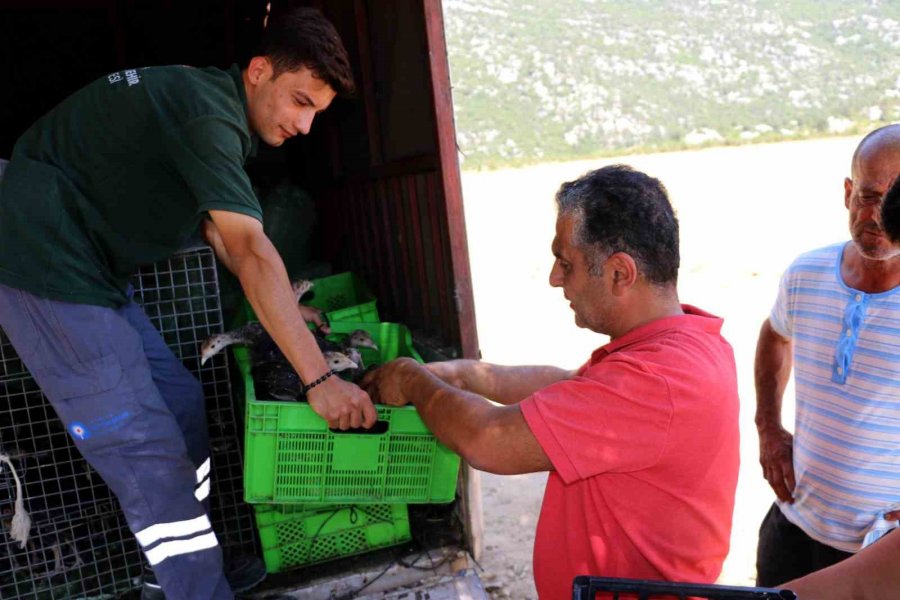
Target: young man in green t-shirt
point(118, 175)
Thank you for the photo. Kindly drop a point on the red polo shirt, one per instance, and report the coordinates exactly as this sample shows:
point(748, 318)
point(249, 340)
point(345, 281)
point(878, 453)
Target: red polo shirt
point(644, 443)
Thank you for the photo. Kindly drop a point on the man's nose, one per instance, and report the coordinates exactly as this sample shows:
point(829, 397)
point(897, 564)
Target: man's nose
point(555, 276)
point(305, 121)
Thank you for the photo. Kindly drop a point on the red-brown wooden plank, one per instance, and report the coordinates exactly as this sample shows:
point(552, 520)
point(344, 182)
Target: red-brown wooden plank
point(354, 233)
point(389, 242)
point(378, 249)
point(367, 89)
point(452, 188)
point(444, 289)
point(413, 284)
point(418, 250)
point(428, 250)
point(397, 213)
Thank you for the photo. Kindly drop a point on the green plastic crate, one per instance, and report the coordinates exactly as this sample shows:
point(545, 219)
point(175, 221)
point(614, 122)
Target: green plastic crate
point(291, 456)
point(293, 536)
point(393, 340)
point(343, 297)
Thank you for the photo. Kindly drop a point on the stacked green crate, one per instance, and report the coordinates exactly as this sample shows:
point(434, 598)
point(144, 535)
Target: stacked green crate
point(291, 455)
point(296, 535)
point(310, 484)
point(343, 297)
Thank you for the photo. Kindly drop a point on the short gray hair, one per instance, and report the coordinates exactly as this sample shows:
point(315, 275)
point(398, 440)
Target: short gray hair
point(619, 209)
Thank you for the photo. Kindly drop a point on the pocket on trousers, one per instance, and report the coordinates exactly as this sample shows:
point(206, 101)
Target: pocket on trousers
point(97, 404)
point(89, 377)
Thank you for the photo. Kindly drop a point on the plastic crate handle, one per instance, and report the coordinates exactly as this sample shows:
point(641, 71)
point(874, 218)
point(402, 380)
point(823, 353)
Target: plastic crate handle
point(586, 588)
point(379, 428)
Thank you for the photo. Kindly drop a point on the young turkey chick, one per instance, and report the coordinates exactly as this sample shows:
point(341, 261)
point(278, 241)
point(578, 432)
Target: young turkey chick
point(279, 380)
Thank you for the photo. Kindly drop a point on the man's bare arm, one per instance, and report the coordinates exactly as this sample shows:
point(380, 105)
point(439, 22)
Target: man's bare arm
point(871, 574)
point(490, 438)
point(242, 246)
point(502, 384)
point(212, 237)
point(773, 369)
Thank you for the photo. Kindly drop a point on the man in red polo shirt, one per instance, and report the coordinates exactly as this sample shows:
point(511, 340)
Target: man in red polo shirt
point(642, 441)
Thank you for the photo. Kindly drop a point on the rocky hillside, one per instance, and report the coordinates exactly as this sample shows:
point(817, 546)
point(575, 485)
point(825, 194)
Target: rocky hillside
point(537, 80)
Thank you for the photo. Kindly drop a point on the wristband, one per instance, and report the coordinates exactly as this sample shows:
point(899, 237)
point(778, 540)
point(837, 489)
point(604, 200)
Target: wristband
point(309, 386)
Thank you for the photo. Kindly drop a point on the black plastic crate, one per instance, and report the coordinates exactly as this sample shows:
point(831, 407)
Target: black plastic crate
point(84, 557)
point(74, 513)
point(587, 588)
point(57, 482)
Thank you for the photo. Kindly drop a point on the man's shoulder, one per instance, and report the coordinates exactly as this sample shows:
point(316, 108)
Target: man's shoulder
point(671, 352)
point(817, 267)
point(819, 258)
point(660, 338)
point(185, 75)
point(657, 357)
point(188, 93)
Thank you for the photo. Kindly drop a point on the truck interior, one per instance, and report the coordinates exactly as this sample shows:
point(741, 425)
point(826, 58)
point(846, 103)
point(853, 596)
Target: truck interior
point(373, 189)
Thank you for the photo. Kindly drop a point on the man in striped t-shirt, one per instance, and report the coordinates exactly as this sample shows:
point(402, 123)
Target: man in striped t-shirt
point(836, 321)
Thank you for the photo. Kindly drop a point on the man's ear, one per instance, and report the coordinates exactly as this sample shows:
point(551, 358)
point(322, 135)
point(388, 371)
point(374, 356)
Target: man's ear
point(623, 271)
point(258, 68)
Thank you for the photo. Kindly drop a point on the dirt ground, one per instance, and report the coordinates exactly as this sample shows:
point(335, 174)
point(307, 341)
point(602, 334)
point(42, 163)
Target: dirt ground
point(744, 212)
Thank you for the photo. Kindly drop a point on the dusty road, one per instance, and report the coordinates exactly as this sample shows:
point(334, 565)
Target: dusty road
point(744, 213)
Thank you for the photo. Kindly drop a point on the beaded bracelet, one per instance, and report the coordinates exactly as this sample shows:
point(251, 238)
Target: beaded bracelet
point(309, 386)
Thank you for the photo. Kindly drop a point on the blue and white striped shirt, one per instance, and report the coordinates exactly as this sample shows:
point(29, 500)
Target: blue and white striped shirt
point(846, 347)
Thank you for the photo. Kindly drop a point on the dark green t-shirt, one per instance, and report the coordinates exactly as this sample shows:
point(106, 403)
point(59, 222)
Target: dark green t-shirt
point(119, 175)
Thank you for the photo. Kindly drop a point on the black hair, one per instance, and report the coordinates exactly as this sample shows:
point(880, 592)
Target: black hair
point(890, 212)
point(618, 209)
point(302, 37)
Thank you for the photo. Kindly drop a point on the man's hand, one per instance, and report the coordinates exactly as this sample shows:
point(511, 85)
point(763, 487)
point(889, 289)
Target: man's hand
point(776, 455)
point(342, 404)
point(772, 369)
point(387, 384)
point(490, 438)
point(314, 316)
